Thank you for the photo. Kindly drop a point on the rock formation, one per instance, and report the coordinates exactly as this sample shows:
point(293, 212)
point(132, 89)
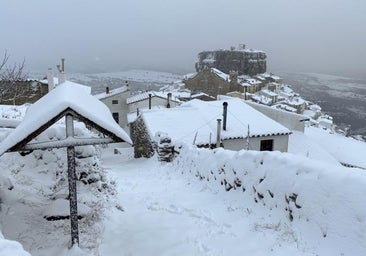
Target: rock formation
point(244, 61)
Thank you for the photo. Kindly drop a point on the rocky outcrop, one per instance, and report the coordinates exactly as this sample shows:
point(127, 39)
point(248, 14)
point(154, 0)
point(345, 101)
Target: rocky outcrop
point(245, 61)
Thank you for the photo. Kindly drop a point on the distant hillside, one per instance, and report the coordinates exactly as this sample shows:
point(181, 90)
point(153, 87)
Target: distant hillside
point(343, 98)
point(137, 79)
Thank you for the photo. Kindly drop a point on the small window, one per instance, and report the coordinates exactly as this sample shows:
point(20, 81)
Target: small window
point(266, 145)
point(114, 101)
point(116, 117)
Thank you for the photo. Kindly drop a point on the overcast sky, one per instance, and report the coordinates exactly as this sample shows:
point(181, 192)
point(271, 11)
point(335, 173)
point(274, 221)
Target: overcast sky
point(112, 35)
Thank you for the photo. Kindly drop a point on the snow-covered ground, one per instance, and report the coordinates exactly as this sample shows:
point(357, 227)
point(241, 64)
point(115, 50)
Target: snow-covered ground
point(285, 205)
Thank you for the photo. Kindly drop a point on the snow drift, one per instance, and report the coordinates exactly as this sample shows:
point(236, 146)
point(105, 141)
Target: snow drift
point(321, 204)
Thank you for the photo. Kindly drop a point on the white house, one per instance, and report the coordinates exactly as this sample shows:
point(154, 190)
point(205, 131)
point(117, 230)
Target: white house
point(205, 124)
point(116, 102)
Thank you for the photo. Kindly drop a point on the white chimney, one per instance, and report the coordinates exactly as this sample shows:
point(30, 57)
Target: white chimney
point(51, 83)
point(61, 72)
point(61, 77)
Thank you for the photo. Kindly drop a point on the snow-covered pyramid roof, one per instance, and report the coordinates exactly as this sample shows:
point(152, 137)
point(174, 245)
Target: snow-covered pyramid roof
point(63, 97)
point(196, 116)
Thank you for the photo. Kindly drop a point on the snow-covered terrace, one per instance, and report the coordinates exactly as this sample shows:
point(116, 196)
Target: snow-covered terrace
point(145, 96)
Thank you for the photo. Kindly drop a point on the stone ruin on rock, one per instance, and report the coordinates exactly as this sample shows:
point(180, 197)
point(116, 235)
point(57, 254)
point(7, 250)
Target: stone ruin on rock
point(245, 61)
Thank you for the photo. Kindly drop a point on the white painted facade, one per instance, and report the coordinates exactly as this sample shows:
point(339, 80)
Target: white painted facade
point(280, 143)
point(115, 100)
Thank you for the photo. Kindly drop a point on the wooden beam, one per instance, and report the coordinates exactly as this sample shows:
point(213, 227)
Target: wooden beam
point(65, 143)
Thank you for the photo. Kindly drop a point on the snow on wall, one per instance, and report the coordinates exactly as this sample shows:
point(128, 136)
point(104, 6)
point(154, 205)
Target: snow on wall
point(320, 204)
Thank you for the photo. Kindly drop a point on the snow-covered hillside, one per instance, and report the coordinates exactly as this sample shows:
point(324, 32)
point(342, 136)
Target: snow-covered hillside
point(137, 79)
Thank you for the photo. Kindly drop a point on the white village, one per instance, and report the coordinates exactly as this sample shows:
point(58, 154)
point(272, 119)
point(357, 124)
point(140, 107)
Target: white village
point(226, 160)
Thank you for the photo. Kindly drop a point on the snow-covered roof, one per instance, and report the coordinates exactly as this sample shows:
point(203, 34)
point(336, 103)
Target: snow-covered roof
point(243, 83)
point(55, 82)
point(145, 96)
point(262, 99)
point(252, 81)
point(61, 98)
point(269, 92)
point(111, 93)
point(285, 107)
point(196, 116)
point(220, 74)
point(295, 101)
point(201, 94)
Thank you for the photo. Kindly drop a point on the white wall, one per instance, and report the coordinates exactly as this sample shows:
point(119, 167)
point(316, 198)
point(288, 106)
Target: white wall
point(287, 119)
point(121, 108)
point(280, 143)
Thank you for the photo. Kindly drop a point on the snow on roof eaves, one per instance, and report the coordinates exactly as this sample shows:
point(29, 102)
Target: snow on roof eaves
point(111, 93)
point(182, 123)
point(55, 81)
point(63, 97)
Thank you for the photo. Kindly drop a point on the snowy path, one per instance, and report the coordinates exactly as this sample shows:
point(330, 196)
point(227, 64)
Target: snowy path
point(166, 213)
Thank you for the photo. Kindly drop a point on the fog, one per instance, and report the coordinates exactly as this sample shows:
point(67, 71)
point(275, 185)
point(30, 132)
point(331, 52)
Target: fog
point(96, 36)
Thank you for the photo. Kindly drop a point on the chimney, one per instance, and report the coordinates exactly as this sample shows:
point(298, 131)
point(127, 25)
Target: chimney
point(61, 73)
point(149, 100)
point(63, 64)
point(107, 90)
point(224, 115)
point(218, 138)
point(51, 83)
point(61, 77)
point(168, 99)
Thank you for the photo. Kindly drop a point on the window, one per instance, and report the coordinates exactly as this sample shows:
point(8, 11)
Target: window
point(114, 102)
point(266, 145)
point(116, 117)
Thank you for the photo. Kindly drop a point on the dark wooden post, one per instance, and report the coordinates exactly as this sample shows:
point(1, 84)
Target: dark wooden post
point(72, 183)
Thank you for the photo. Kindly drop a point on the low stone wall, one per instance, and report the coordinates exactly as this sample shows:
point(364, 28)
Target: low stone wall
point(316, 200)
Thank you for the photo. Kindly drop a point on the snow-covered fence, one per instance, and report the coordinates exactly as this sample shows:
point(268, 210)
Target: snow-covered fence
point(323, 204)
